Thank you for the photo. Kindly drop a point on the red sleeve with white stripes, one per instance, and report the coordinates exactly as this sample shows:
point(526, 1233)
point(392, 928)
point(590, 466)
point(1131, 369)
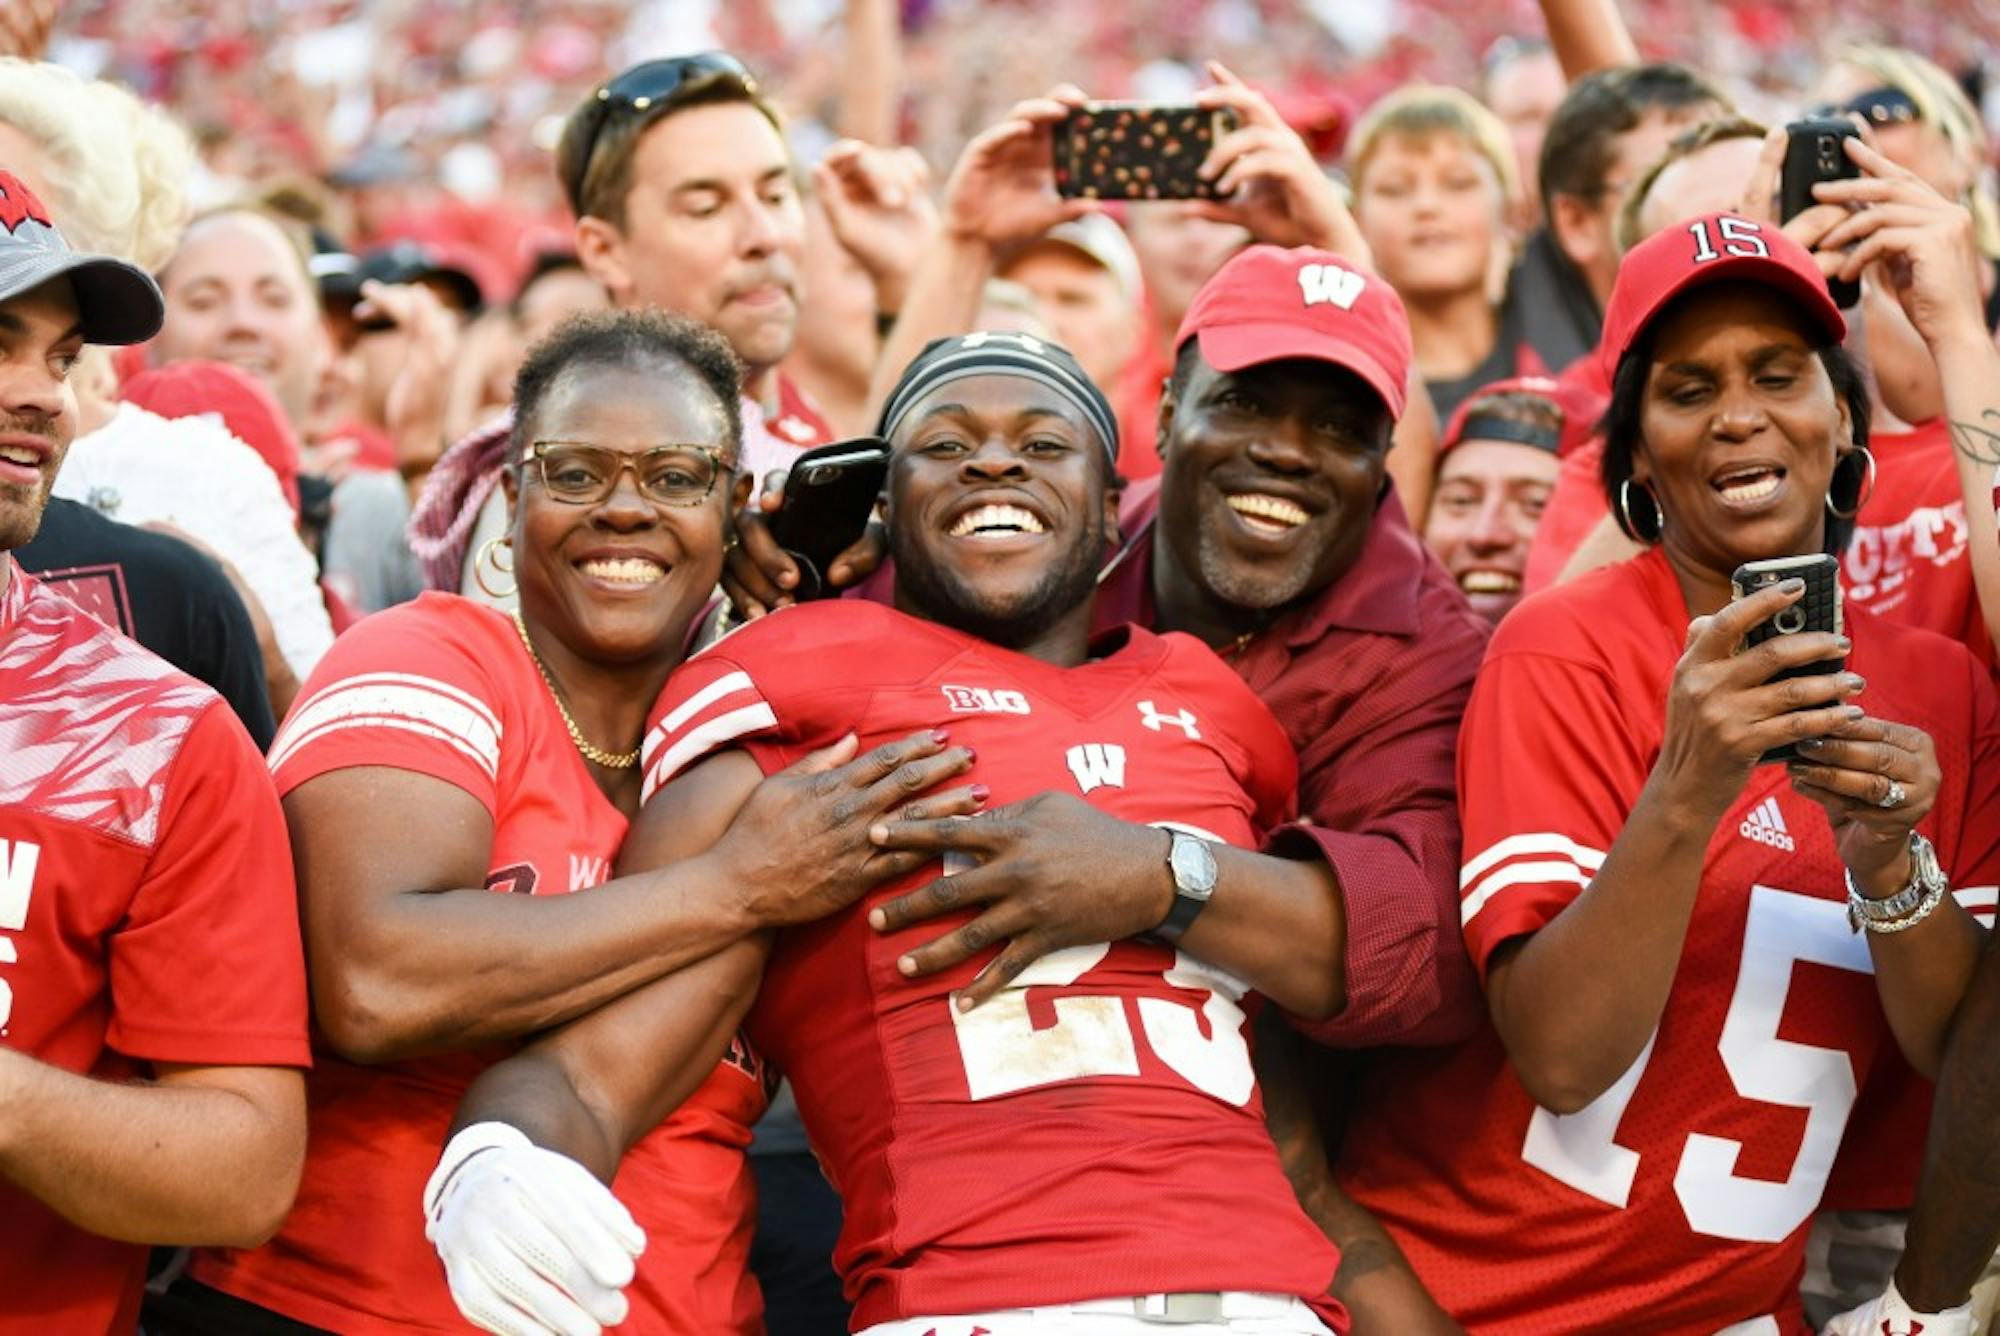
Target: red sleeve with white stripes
point(1549, 764)
point(419, 687)
point(709, 704)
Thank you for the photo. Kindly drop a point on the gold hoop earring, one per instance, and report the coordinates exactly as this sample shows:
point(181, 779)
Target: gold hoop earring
point(489, 552)
point(1863, 489)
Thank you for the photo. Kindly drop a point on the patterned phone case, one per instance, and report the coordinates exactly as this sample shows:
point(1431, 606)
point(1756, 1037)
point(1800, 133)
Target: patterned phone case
point(1818, 610)
point(1137, 150)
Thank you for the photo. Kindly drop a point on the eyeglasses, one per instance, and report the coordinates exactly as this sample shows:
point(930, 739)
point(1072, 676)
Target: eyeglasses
point(582, 474)
point(640, 91)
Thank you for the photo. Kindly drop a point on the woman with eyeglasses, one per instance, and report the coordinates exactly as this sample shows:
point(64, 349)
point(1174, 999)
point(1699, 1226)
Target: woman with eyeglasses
point(1706, 971)
point(457, 782)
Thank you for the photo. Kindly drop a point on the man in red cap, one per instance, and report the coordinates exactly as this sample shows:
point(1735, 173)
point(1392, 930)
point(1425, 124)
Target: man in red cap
point(1496, 466)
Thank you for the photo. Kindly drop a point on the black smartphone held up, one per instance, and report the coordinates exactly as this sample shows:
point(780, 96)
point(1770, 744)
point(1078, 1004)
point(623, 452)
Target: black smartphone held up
point(829, 496)
point(1817, 610)
point(1814, 153)
point(1137, 150)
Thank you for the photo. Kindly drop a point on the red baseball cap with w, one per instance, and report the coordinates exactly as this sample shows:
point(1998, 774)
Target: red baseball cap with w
point(1270, 303)
point(118, 302)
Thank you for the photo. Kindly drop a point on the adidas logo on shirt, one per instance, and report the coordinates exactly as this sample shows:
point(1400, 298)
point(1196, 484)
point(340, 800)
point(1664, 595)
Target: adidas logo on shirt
point(1766, 825)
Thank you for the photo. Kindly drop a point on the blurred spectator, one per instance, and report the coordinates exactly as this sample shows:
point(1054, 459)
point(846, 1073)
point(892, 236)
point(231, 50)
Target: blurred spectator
point(1085, 277)
point(837, 337)
point(1522, 82)
point(1496, 464)
point(1432, 173)
point(1609, 127)
point(1009, 308)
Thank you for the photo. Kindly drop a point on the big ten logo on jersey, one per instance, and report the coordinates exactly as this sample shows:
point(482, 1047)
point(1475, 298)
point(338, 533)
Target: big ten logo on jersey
point(984, 700)
point(18, 860)
point(1329, 284)
point(1879, 557)
point(1081, 1013)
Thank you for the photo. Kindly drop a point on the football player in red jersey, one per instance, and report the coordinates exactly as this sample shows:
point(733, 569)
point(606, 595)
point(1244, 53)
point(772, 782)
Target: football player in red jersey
point(1686, 1015)
point(1051, 1159)
point(152, 1001)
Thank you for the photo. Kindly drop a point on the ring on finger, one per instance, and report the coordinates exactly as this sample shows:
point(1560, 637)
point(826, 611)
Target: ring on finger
point(1895, 797)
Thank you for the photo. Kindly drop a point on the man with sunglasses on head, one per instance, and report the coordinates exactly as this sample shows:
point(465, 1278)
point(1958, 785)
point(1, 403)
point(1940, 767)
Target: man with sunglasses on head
point(687, 199)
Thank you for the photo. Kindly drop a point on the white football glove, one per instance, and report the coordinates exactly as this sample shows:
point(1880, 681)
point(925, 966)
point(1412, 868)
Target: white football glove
point(1889, 1315)
point(531, 1242)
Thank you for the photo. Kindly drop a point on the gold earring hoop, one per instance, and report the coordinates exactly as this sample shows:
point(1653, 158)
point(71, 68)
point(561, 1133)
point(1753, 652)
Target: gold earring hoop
point(489, 553)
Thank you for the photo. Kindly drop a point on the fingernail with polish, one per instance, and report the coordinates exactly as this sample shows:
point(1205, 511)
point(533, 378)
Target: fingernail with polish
point(1843, 644)
point(940, 736)
point(1792, 586)
point(1856, 712)
point(970, 756)
point(1856, 682)
point(980, 793)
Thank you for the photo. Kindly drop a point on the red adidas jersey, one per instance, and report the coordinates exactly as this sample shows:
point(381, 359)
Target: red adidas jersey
point(443, 687)
point(1082, 1134)
point(146, 908)
point(1679, 1200)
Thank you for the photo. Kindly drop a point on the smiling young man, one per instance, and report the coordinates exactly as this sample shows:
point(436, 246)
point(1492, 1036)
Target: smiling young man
point(1043, 1162)
point(1496, 467)
point(152, 995)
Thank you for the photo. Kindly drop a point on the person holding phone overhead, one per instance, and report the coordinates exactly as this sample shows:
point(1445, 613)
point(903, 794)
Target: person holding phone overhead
point(1676, 941)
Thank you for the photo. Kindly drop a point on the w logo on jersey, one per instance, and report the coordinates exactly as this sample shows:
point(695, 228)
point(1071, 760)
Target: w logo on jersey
point(1766, 825)
point(1324, 284)
point(1097, 765)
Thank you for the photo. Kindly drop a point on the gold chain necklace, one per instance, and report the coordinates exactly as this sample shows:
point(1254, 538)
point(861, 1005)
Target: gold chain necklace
point(609, 760)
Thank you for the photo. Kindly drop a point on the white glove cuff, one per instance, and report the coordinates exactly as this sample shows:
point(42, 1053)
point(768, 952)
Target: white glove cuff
point(469, 1142)
point(1895, 1296)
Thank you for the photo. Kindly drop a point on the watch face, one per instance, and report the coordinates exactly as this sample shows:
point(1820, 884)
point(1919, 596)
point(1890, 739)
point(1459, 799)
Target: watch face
point(1923, 861)
point(1193, 865)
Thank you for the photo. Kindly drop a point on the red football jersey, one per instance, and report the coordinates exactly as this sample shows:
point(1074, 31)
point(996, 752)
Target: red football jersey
point(1082, 1134)
point(443, 687)
point(146, 908)
point(1679, 1200)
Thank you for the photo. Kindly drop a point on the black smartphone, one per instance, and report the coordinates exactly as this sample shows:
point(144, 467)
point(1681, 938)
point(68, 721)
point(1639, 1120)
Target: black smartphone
point(1817, 610)
point(1815, 152)
point(1137, 150)
point(830, 495)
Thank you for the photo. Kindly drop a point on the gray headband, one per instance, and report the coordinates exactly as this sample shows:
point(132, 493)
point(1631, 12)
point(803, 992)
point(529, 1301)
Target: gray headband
point(986, 354)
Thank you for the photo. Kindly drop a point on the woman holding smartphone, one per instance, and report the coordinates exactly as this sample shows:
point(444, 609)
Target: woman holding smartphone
point(1696, 965)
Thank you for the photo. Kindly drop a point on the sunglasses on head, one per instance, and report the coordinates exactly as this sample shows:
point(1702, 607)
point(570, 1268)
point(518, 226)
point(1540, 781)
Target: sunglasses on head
point(641, 91)
point(1877, 106)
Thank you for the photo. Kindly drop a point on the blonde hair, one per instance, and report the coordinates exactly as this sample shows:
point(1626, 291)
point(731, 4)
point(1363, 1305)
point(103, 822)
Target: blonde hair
point(117, 169)
point(1940, 102)
point(1418, 111)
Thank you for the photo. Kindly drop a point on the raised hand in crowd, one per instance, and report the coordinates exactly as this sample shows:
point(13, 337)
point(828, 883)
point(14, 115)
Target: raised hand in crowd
point(1268, 178)
point(879, 204)
point(420, 396)
point(25, 25)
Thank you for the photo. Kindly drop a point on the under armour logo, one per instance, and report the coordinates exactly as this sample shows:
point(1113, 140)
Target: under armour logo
point(1910, 1328)
point(1323, 283)
point(986, 336)
point(1150, 716)
point(1096, 765)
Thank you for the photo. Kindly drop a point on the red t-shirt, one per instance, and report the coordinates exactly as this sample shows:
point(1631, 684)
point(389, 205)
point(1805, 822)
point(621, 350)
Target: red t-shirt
point(1680, 1199)
point(146, 909)
point(1072, 1138)
point(443, 687)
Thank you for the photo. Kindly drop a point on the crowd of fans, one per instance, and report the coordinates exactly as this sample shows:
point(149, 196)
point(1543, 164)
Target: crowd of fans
point(1409, 745)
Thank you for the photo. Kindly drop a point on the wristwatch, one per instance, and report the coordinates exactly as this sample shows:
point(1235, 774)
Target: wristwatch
point(1907, 907)
point(1193, 868)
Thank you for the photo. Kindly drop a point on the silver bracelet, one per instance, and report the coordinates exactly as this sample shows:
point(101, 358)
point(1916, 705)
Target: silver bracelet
point(1932, 899)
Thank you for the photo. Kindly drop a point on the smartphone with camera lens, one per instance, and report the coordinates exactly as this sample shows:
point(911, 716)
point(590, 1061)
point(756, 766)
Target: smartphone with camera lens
point(830, 496)
point(1818, 609)
point(1815, 151)
point(1137, 150)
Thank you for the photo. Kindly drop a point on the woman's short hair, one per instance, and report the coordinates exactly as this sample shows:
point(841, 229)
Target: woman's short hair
point(1941, 102)
point(1622, 424)
point(1418, 111)
point(118, 169)
point(639, 340)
